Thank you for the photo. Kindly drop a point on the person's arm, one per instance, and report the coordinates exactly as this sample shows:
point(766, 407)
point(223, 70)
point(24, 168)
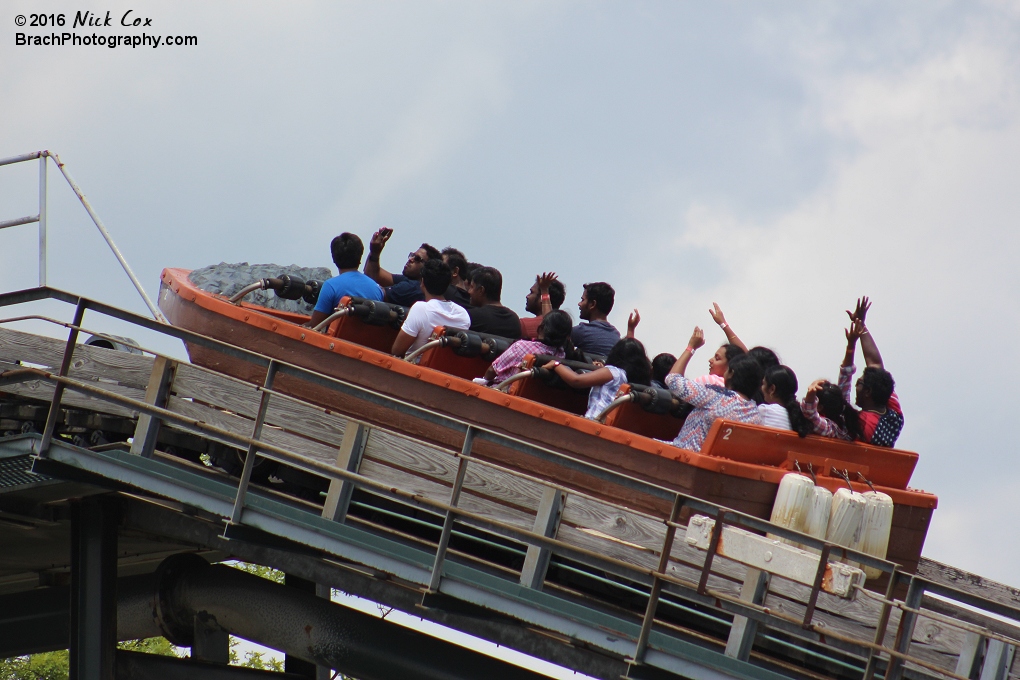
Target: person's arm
point(490, 374)
point(599, 376)
point(696, 341)
point(317, 318)
point(872, 357)
point(731, 337)
point(809, 407)
point(375, 248)
point(544, 281)
point(401, 344)
point(632, 323)
point(852, 335)
point(693, 393)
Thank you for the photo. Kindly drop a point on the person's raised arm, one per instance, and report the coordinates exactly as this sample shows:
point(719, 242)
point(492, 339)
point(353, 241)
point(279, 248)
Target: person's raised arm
point(852, 335)
point(375, 248)
point(731, 337)
point(696, 341)
point(599, 376)
point(544, 281)
point(872, 357)
point(632, 323)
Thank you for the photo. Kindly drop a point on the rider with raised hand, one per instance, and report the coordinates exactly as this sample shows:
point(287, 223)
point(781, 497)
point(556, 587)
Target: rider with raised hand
point(400, 289)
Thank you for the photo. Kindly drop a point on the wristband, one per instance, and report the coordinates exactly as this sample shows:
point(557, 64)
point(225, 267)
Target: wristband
point(724, 325)
point(545, 296)
point(551, 365)
point(690, 349)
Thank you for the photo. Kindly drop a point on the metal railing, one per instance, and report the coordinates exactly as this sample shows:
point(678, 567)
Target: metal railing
point(41, 219)
point(659, 578)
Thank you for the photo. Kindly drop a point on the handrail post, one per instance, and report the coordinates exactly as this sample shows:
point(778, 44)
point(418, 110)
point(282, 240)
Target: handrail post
point(653, 597)
point(883, 624)
point(249, 460)
point(65, 366)
point(458, 484)
point(823, 564)
point(713, 546)
point(42, 218)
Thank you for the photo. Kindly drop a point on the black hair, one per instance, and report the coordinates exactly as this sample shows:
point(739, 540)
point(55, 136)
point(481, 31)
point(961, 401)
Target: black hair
point(833, 405)
point(745, 375)
point(785, 381)
point(764, 356)
point(629, 354)
point(347, 250)
point(491, 280)
point(662, 364)
point(557, 293)
point(555, 328)
point(431, 251)
point(601, 293)
point(880, 383)
point(457, 261)
point(732, 351)
point(436, 276)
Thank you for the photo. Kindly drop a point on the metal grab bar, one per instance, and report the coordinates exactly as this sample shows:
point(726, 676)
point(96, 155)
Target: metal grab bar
point(321, 328)
point(514, 378)
point(438, 342)
point(615, 404)
point(251, 287)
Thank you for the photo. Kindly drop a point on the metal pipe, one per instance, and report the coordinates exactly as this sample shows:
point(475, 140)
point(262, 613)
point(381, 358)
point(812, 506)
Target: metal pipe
point(321, 328)
point(109, 239)
point(439, 342)
point(309, 627)
point(615, 404)
point(261, 284)
point(23, 157)
point(42, 219)
point(27, 219)
point(514, 378)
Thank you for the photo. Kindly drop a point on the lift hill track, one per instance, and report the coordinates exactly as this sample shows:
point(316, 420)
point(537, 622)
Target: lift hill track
point(527, 561)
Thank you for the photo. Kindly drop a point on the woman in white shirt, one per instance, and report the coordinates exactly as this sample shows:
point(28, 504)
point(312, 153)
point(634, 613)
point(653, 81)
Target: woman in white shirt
point(434, 311)
point(780, 408)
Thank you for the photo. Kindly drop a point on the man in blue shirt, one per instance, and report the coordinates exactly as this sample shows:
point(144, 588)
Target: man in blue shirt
point(597, 336)
point(347, 250)
point(400, 289)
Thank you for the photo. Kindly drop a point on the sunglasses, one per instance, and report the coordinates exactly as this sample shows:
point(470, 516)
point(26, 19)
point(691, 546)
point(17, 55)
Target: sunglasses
point(415, 257)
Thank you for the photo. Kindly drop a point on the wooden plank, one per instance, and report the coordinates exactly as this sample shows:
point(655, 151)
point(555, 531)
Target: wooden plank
point(232, 422)
point(243, 398)
point(441, 465)
point(969, 583)
point(38, 389)
point(88, 363)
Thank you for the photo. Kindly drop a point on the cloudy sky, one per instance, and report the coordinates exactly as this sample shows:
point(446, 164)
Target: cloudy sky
point(778, 158)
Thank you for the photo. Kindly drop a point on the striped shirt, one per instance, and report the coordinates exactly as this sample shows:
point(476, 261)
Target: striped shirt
point(710, 402)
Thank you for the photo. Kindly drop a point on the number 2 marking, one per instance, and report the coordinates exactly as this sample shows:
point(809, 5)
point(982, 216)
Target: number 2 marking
point(729, 431)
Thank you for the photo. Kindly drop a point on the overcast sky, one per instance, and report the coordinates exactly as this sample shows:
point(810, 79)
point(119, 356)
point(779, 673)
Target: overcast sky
point(777, 158)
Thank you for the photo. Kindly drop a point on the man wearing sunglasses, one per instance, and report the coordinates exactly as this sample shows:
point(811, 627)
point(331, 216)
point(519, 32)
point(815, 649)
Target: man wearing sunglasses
point(400, 289)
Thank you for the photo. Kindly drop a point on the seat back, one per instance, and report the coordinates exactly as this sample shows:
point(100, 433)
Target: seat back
point(784, 448)
point(555, 394)
point(635, 418)
point(369, 323)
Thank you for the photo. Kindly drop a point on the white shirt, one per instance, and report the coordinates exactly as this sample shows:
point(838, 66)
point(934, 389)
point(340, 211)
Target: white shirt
point(426, 315)
point(774, 415)
point(602, 396)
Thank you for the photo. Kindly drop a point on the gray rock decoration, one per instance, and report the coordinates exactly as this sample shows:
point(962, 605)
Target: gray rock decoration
point(227, 279)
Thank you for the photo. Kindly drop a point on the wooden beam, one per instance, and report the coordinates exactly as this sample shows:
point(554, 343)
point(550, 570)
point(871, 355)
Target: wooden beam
point(547, 522)
point(348, 457)
point(156, 393)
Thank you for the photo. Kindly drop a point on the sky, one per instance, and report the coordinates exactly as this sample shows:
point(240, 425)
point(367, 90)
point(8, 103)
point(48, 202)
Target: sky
point(778, 158)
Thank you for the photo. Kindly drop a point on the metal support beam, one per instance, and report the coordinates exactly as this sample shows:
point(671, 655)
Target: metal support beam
point(256, 432)
point(58, 389)
point(444, 537)
point(156, 393)
point(352, 448)
point(42, 219)
point(547, 522)
point(211, 643)
point(292, 664)
point(743, 630)
point(998, 660)
point(93, 639)
point(906, 628)
point(653, 597)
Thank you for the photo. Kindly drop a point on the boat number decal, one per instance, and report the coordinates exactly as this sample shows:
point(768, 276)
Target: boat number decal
point(727, 433)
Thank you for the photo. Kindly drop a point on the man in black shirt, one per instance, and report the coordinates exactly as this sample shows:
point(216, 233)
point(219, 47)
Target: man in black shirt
point(487, 314)
point(400, 289)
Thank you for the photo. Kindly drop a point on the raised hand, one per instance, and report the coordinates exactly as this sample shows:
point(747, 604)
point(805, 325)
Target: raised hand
point(861, 310)
point(545, 280)
point(632, 323)
point(816, 387)
point(855, 331)
point(697, 338)
point(717, 314)
point(379, 240)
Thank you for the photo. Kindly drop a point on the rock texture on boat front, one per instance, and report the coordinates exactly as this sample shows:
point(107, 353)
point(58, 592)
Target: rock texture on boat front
point(228, 279)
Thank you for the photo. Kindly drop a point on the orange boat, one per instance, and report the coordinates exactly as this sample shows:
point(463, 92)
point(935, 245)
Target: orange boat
point(739, 467)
